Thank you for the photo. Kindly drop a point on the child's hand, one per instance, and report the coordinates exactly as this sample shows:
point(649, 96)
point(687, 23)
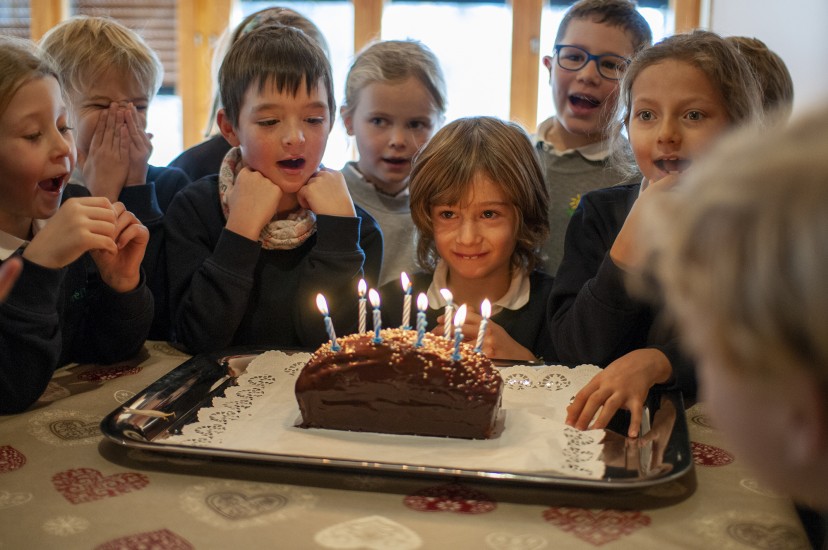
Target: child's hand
point(327, 193)
point(80, 224)
point(140, 148)
point(106, 163)
point(497, 344)
point(623, 384)
point(9, 272)
point(121, 269)
point(253, 203)
point(626, 249)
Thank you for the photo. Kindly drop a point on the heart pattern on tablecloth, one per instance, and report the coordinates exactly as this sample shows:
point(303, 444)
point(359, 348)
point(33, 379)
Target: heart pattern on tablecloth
point(508, 541)
point(88, 484)
point(597, 527)
point(102, 374)
point(10, 459)
point(70, 430)
point(371, 533)
point(771, 537)
point(233, 506)
point(452, 497)
point(163, 539)
point(9, 499)
point(708, 455)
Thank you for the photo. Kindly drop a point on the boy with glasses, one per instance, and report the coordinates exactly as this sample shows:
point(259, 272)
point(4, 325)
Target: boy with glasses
point(596, 40)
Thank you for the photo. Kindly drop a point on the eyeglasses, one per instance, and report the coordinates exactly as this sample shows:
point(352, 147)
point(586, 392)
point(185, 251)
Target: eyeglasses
point(573, 58)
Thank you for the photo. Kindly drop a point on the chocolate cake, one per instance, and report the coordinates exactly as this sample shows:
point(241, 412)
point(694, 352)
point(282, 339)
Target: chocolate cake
point(397, 388)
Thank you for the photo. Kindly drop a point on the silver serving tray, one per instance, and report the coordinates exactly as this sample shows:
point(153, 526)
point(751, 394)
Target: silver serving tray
point(173, 401)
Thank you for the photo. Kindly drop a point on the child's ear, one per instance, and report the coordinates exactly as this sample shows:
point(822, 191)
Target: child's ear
point(347, 120)
point(227, 129)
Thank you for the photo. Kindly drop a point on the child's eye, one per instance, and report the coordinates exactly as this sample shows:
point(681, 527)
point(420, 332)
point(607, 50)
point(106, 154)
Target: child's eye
point(268, 122)
point(419, 125)
point(315, 120)
point(489, 214)
point(65, 129)
point(445, 214)
point(695, 115)
point(645, 115)
point(33, 137)
point(377, 121)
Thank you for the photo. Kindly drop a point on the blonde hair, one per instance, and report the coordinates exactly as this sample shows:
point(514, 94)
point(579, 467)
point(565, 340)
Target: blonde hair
point(84, 48)
point(727, 71)
point(395, 61)
point(771, 73)
point(267, 16)
point(20, 63)
point(739, 251)
point(445, 169)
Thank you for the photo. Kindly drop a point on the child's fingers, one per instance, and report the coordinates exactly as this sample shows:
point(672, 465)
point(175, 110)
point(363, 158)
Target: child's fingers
point(134, 233)
point(9, 272)
point(100, 129)
point(635, 421)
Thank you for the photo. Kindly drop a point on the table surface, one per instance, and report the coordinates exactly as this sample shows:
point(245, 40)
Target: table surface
point(62, 485)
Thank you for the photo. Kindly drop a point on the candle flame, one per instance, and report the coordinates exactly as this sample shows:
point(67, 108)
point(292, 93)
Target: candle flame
point(447, 295)
point(374, 297)
point(362, 287)
point(406, 284)
point(321, 304)
point(460, 317)
point(422, 301)
point(486, 308)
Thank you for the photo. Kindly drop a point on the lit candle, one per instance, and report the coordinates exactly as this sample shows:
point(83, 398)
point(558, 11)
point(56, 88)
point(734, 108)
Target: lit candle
point(485, 312)
point(361, 290)
point(422, 305)
point(459, 319)
point(448, 297)
point(323, 309)
point(406, 285)
point(374, 298)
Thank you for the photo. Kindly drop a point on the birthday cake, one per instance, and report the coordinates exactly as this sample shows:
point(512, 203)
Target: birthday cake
point(398, 387)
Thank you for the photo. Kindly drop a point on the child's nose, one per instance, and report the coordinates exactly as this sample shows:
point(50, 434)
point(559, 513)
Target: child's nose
point(468, 232)
point(668, 132)
point(61, 145)
point(399, 136)
point(293, 134)
point(589, 72)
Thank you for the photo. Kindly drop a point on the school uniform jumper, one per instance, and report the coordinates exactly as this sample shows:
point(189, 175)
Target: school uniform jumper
point(57, 316)
point(592, 317)
point(226, 290)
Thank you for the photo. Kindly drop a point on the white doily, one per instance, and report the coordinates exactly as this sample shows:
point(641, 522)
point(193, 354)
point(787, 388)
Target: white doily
point(260, 414)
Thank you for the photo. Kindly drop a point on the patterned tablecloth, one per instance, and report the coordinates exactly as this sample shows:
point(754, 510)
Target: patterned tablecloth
point(63, 486)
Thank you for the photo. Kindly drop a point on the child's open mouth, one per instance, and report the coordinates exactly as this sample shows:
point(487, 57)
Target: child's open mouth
point(292, 164)
point(396, 161)
point(584, 101)
point(52, 185)
point(672, 165)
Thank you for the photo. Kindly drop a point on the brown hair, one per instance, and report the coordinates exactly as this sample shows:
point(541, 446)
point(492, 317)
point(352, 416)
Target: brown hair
point(771, 73)
point(273, 55)
point(616, 13)
point(266, 16)
point(726, 70)
point(445, 169)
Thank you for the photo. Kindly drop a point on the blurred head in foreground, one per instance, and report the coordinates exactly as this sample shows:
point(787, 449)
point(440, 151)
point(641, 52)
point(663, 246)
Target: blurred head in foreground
point(739, 252)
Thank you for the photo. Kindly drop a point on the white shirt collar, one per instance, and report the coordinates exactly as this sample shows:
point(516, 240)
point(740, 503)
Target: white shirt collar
point(515, 298)
point(593, 151)
point(9, 244)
